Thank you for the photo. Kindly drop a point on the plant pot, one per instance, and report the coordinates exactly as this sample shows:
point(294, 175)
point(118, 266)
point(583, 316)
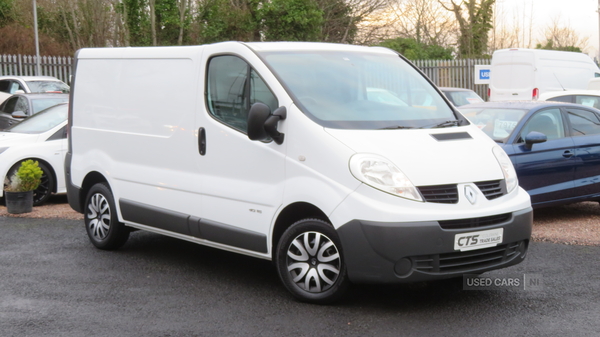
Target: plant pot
point(18, 202)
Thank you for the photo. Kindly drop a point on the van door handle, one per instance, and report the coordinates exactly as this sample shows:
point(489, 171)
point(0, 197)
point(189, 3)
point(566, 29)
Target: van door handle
point(567, 154)
point(202, 141)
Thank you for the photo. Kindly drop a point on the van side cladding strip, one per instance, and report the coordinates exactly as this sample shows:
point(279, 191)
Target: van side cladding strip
point(154, 217)
point(189, 225)
point(451, 136)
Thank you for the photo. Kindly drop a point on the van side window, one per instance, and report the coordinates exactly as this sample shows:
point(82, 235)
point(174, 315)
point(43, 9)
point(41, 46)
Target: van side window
point(232, 87)
point(583, 122)
point(548, 122)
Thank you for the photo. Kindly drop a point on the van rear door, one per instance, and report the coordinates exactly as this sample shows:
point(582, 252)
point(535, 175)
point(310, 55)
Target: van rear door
point(512, 76)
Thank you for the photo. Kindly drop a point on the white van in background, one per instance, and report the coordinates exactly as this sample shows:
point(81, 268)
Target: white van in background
point(340, 163)
point(594, 84)
point(524, 74)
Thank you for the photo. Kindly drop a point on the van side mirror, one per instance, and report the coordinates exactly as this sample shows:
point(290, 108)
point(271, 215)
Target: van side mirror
point(262, 124)
point(534, 137)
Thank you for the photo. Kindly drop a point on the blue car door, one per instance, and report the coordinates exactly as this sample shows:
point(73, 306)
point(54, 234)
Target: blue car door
point(546, 170)
point(584, 126)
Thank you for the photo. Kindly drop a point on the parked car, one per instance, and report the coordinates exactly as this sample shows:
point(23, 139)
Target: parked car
point(460, 96)
point(584, 97)
point(10, 85)
point(554, 146)
point(42, 137)
point(21, 106)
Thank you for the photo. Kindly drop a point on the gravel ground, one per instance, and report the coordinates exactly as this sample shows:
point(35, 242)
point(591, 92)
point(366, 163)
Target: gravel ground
point(576, 224)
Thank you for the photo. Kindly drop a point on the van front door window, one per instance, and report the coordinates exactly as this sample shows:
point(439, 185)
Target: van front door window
point(231, 93)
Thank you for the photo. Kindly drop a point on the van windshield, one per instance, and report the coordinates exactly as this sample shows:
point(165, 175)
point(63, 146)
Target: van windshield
point(360, 90)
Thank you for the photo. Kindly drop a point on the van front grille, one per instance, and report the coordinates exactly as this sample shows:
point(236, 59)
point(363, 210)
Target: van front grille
point(457, 262)
point(475, 222)
point(492, 189)
point(448, 194)
point(445, 194)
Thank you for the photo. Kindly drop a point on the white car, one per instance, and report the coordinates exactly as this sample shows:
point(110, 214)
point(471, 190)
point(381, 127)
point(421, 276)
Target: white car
point(10, 85)
point(42, 137)
point(589, 98)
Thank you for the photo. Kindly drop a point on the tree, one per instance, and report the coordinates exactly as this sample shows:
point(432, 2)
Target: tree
point(474, 25)
point(414, 50)
point(338, 24)
point(370, 19)
point(425, 21)
point(224, 20)
point(513, 28)
point(291, 20)
point(560, 37)
point(7, 12)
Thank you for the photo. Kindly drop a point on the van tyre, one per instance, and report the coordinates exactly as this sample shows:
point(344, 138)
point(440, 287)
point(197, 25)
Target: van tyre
point(101, 221)
point(310, 262)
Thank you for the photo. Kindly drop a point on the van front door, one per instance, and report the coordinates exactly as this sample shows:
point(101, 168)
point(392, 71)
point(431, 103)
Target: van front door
point(242, 179)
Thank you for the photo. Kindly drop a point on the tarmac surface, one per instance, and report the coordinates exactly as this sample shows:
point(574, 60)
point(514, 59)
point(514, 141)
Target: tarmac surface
point(55, 283)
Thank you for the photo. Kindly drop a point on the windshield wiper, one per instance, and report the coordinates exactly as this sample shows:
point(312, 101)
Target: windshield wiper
point(394, 127)
point(442, 124)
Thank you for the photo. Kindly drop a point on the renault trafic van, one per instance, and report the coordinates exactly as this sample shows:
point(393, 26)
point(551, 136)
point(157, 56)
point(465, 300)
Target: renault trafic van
point(286, 152)
point(523, 74)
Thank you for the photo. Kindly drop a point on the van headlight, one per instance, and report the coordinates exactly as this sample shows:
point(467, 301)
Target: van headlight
point(383, 175)
point(2, 149)
point(510, 175)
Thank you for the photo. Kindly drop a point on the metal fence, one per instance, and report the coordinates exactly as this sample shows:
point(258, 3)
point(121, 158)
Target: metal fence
point(25, 65)
point(454, 73)
point(444, 73)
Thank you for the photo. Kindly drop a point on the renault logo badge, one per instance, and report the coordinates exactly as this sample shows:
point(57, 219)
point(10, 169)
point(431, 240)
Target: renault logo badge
point(471, 194)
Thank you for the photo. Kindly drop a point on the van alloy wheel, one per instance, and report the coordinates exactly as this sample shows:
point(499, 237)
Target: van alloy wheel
point(99, 216)
point(314, 262)
point(101, 221)
point(310, 262)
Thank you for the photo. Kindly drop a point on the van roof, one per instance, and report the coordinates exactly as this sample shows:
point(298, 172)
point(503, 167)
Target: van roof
point(555, 54)
point(299, 46)
point(256, 46)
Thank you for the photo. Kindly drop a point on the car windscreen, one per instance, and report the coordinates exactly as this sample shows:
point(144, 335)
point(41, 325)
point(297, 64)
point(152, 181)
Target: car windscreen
point(359, 90)
point(497, 123)
point(43, 121)
point(48, 86)
point(40, 104)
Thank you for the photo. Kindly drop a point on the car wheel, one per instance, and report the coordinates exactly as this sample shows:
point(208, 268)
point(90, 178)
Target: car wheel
point(44, 190)
point(310, 262)
point(101, 221)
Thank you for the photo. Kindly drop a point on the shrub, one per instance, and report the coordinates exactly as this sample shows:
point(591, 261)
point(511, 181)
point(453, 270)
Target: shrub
point(27, 178)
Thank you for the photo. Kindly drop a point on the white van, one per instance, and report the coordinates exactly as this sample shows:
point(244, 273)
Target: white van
point(524, 74)
point(285, 152)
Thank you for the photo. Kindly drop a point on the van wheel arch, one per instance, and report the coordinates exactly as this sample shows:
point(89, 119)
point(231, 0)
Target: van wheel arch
point(91, 179)
point(290, 215)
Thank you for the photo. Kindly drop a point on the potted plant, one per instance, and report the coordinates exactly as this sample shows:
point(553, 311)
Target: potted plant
point(18, 190)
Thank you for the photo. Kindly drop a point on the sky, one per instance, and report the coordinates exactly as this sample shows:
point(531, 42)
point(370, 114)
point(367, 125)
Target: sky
point(579, 15)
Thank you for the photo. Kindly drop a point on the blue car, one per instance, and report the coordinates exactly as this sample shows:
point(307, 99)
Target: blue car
point(555, 147)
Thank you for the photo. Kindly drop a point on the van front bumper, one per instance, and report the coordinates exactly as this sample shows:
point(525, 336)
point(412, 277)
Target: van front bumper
point(401, 252)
